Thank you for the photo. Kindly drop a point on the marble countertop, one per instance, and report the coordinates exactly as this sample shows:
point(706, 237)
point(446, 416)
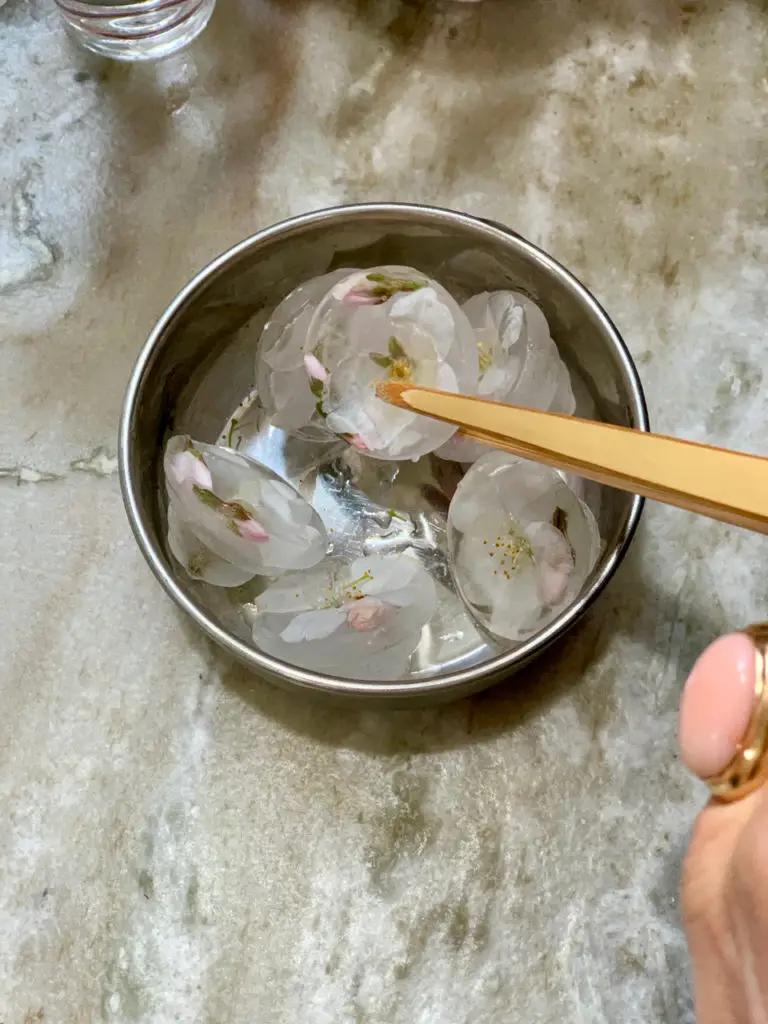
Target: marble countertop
point(179, 844)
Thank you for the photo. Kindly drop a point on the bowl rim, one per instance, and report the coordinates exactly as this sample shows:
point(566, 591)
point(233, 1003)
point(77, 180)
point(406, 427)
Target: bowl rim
point(444, 685)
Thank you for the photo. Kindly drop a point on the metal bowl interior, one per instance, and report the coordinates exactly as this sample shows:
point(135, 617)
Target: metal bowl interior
point(194, 372)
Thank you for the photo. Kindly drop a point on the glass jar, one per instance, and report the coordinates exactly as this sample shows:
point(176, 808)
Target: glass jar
point(135, 30)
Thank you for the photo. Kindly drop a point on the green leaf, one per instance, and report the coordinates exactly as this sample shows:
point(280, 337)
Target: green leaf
point(316, 387)
point(396, 350)
point(320, 410)
point(236, 510)
point(208, 497)
point(229, 509)
point(380, 360)
point(390, 286)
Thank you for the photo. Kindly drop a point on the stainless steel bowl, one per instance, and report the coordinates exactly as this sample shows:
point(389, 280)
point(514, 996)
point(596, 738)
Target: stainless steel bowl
point(194, 372)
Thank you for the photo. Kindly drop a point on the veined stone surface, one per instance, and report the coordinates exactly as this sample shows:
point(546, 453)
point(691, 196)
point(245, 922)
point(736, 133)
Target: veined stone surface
point(179, 844)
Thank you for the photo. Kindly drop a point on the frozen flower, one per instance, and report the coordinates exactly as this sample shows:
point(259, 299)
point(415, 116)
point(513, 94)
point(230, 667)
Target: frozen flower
point(361, 620)
point(521, 544)
point(237, 512)
point(285, 365)
point(329, 342)
point(519, 361)
point(413, 332)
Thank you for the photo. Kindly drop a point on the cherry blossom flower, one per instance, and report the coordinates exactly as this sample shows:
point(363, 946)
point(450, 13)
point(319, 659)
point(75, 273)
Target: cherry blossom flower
point(229, 510)
point(521, 544)
point(411, 330)
point(350, 329)
point(359, 619)
point(519, 361)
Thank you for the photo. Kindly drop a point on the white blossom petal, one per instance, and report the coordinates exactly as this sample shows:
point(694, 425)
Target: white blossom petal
point(424, 313)
point(298, 592)
point(383, 573)
point(313, 625)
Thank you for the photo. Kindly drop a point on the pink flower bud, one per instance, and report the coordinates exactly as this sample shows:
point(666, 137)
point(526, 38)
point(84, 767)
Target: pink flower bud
point(358, 297)
point(315, 368)
point(186, 468)
point(554, 583)
point(356, 441)
point(251, 529)
point(366, 615)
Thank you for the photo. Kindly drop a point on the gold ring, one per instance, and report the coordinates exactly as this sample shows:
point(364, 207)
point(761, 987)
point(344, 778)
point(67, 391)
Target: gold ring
point(748, 768)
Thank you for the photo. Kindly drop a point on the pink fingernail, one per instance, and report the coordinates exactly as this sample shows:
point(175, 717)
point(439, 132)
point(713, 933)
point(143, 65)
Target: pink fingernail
point(717, 704)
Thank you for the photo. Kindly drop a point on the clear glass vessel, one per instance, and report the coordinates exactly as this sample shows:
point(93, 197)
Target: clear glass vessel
point(138, 30)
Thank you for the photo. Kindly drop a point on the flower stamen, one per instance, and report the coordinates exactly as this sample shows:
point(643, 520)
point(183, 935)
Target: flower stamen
point(485, 357)
point(397, 363)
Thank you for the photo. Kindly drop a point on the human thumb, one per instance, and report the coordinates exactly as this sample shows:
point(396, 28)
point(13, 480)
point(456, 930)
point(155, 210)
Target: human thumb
point(714, 716)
